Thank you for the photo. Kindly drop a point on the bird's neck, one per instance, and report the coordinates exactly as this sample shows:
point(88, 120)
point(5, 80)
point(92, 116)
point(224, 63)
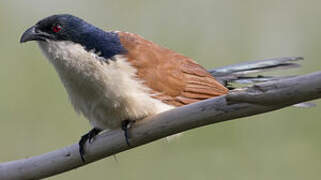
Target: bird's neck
point(104, 44)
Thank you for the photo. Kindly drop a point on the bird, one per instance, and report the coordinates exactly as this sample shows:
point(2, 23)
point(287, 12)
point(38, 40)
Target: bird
point(115, 78)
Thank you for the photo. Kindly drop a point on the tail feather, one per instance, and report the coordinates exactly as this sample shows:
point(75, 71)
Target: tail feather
point(239, 73)
point(256, 79)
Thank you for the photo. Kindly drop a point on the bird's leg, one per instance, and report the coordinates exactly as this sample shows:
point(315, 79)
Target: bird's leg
point(88, 136)
point(125, 125)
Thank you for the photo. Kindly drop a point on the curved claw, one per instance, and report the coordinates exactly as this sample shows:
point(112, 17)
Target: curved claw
point(88, 136)
point(125, 125)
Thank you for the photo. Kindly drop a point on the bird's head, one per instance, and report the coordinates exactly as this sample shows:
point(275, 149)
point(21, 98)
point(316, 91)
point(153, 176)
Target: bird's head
point(65, 27)
point(57, 28)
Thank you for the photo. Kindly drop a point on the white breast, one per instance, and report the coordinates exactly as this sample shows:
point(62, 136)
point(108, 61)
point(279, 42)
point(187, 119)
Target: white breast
point(105, 92)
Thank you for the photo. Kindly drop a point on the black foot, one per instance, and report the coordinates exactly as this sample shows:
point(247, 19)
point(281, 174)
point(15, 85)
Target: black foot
point(90, 137)
point(125, 125)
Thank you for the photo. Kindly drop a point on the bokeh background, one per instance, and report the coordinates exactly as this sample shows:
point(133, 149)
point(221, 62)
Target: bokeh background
point(36, 117)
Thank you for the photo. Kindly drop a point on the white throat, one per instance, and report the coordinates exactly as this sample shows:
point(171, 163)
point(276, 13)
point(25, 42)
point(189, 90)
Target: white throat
point(106, 93)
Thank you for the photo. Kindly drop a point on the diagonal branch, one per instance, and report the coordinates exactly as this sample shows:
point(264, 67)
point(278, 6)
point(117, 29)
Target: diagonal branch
point(260, 98)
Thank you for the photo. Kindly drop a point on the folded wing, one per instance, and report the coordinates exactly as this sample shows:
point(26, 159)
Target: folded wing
point(171, 77)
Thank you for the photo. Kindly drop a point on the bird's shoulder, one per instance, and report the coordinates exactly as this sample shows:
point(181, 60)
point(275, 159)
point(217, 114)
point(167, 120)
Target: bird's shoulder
point(173, 78)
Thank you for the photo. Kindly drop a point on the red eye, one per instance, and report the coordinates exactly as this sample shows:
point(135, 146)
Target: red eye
point(56, 28)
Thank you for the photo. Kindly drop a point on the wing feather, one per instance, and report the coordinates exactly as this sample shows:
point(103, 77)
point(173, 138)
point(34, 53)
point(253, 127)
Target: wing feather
point(173, 78)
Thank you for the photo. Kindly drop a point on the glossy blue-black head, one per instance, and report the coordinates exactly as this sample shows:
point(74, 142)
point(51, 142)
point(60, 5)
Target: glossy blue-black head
point(65, 27)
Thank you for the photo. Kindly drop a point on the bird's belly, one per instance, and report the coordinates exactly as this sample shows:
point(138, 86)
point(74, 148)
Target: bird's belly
point(107, 98)
point(103, 112)
point(106, 92)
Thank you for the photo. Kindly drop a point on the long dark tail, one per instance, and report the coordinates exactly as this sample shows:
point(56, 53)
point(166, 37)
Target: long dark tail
point(243, 73)
point(239, 74)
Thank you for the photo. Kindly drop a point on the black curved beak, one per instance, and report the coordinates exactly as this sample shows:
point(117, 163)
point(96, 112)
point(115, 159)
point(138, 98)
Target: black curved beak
point(32, 34)
point(29, 35)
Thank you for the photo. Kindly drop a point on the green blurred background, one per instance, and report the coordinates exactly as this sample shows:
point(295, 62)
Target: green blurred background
point(36, 116)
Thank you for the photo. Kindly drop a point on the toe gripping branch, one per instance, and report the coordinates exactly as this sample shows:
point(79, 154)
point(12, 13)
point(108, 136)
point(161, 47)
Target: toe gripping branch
point(125, 125)
point(88, 136)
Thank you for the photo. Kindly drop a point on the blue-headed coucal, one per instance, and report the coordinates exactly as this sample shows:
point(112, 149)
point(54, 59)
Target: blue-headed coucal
point(114, 78)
